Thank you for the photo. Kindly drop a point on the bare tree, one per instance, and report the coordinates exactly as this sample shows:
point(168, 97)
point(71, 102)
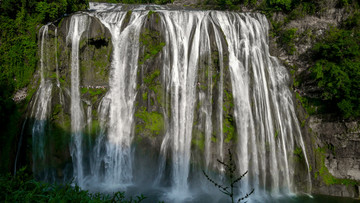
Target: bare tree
point(230, 168)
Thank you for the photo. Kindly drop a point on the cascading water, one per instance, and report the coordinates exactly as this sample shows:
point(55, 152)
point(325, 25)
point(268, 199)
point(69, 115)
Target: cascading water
point(183, 68)
point(221, 89)
point(264, 110)
point(121, 96)
point(41, 108)
point(78, 25)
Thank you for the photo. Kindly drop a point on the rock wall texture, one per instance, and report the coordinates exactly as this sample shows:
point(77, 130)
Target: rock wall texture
point(338, 149)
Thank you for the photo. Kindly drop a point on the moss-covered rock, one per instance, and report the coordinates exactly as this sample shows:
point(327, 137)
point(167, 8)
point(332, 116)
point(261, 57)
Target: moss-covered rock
point(150, 123)
point(149, 119)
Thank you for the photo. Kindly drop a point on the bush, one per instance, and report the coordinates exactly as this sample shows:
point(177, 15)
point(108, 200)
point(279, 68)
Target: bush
point(22, 188)
point(337, 70)
point(280, 5)
point(287, 39)
point(138, 1)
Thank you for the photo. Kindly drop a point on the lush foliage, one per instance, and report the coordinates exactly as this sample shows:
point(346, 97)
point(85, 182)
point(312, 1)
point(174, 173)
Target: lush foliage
point(152, 43)
point(230, 4)
point(19, 24)
point(280, 4)
point(337, 68)
point(137, 1)
point(269, 6)
point(286, 38)
point(22, 188)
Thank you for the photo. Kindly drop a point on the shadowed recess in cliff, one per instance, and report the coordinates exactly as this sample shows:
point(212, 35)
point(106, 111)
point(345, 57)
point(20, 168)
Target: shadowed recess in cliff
point(201, 81)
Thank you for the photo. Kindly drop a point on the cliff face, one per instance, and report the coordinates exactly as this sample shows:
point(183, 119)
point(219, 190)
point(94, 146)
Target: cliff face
point(333, 147)
point(338, 150)
point(333, 143)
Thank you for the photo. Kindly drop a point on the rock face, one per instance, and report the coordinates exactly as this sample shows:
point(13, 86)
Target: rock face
point(340, 151)
point(332, 145)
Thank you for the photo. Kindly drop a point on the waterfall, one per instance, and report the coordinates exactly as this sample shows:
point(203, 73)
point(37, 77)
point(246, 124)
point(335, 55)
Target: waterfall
point(220, 89)
point(122, 95)
point(78, 25)
point(182, 89)
point(41, 107)
point(263, 102)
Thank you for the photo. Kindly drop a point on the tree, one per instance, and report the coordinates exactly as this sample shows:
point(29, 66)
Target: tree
point(230, 168)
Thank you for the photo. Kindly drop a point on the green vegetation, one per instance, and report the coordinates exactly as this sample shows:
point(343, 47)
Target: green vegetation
point(337, 68)
point(136, 1)
point(230, 4)
point(228, 101)
point(281, 5)
point(149, 80)
point(228, 122)
point(310, 105)
point(92, 91)
point(152, 83)
point(324, 173)
point(198, 139)
point(291, 7)
point(11, 126)
point(19, 24)
point(152, 123)
point(22, 188)
point(299, 153)
point(287, 39)
point(94, 129)
point(150, 40)
point(229, 129)
point(152, 43)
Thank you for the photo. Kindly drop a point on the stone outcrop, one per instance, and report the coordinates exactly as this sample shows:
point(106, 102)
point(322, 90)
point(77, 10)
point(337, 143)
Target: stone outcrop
point(338, 149)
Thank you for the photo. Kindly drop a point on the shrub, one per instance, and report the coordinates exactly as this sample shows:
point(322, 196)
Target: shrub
point(280, 5)
point(337, 70)
point(22, 188)
point(287, 40)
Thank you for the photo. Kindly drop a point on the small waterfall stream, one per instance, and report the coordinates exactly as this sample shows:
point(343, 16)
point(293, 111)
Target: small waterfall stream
point(41, 107)
point(221, 88)
point(78, 25)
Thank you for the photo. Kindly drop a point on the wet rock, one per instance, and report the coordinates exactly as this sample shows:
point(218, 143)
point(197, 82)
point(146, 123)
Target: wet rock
point(20, 95)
